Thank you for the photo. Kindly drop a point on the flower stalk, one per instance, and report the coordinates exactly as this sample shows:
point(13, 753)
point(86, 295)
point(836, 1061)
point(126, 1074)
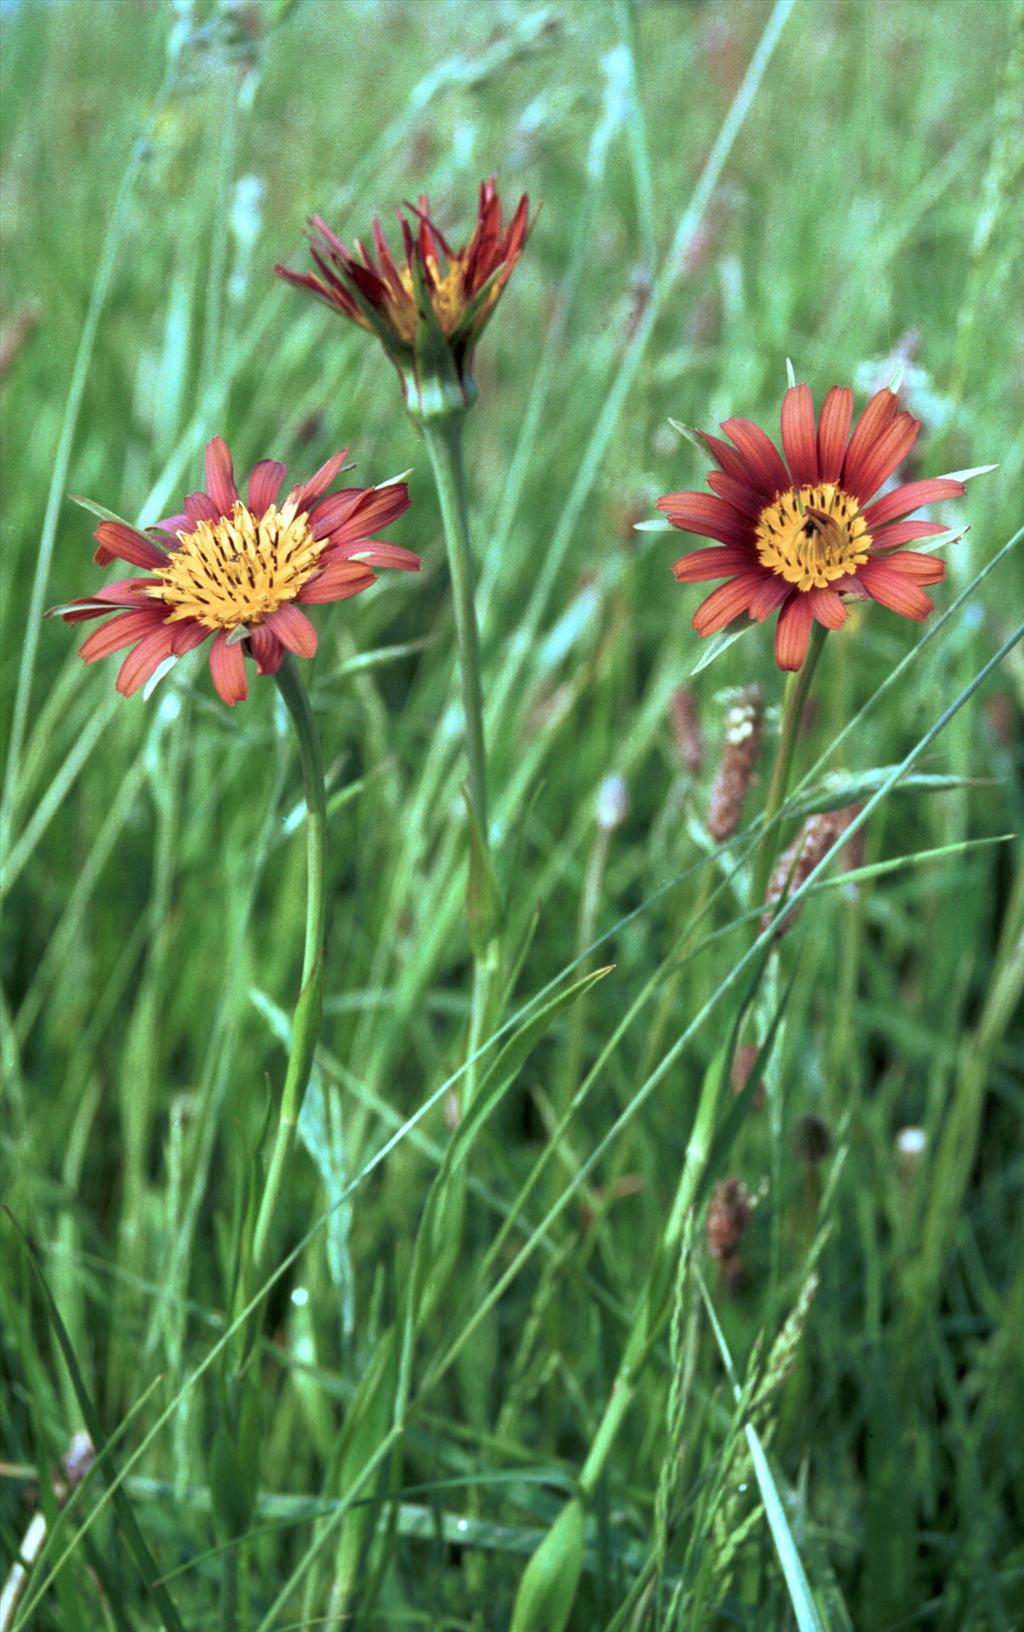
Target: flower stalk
point(306, 1022)
point(798, 687)
point(443, 437)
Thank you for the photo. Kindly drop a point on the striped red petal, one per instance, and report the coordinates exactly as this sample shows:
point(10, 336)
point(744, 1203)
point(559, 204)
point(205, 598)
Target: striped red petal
point(144, 661)
point(732, 464)
point(376, 552)
point(880, 411)
point(922, 569)
point(725, 603)
point(793, 631)
point(220, 476)
point(761, 455)
point(125, 592)
point(187, 635)
point(737, 491)
point(891, 587)
point(911, 496)
point(720, 561)
point(706, 515)
point(123, 630)
point(293, 629)
point(120, 543)
point(320, 481)
point(770, 593)
point(227, 670)
point(833, 431)
point(266, 649)
point(864, 476)
point(336, 583)
point(799, 437)
point(264, 484)
point(376, 507)
point(904, 532)
point(827, 607)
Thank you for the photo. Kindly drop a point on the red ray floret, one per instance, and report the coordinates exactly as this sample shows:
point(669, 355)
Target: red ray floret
point(222, 554)
point(797, 535)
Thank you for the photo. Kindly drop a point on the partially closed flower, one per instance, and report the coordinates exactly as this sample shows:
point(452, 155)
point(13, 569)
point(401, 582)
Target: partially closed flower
point(240, 571)
point(430, 307)
point(797, 540)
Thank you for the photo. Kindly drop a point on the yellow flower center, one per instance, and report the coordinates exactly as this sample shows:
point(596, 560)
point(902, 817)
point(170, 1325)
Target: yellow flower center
point(447, 298)
point(812, 537)
point(238, 570)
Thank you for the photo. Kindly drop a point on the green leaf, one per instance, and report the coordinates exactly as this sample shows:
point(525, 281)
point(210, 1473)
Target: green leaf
point(122, 1506)
point(718, 644)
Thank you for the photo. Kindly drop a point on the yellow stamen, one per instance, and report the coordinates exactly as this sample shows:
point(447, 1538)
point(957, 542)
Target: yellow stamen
point(238, 570)
point(447, 298)
point(813, 535)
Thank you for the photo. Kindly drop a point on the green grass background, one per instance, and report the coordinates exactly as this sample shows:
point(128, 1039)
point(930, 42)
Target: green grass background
point(858, 208)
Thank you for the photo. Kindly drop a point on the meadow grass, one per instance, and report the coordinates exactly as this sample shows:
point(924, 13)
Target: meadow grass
point(824, 1428)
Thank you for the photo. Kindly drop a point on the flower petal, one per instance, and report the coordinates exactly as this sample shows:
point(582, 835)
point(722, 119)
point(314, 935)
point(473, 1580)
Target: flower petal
point(904, 532)
point(337, 582)
point(200, 507)
point(122, 630)
point(725, 603)
point(720, 561)
point(227, 670)
point(833, 431)
point(220, 476)
point(732, 464)
point(320, 481)
point(909, 497)
point(265, 481)
point(293, 629)
point(799, 439)
point(793, 631)
point(188, 634)
point(376, 552)
point(880, 460)
point(761, 455)
point(266, 649)
point(144, 660)
point(118, 542)
point(770, 593)
point(124, 592)
point(738, 492)
point(880, 411)
point(828, 608)
point(890, 587)
point(707, 515)
point(356, 512)
point(922, 569)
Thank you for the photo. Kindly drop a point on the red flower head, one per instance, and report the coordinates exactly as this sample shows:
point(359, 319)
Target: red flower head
point(798, 540)
point(430, 311)
point(240, 571)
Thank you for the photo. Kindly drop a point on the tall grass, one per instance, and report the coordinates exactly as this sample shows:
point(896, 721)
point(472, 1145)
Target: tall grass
point(824, 1430)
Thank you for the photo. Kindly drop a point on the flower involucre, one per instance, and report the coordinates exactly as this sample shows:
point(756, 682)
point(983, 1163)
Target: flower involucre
point(430, 308)
point(240, 571)
point(797, 540)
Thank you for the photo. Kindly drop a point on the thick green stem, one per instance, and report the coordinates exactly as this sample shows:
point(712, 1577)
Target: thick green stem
point(444, 445)
point(798, 687)
point(443, 437)
point(306, 1023)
